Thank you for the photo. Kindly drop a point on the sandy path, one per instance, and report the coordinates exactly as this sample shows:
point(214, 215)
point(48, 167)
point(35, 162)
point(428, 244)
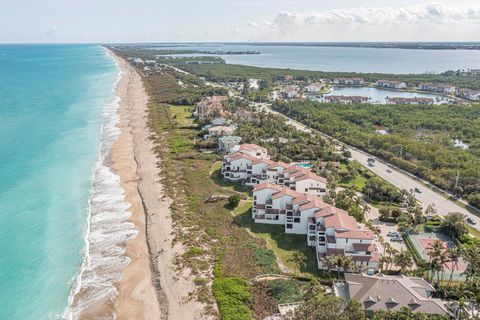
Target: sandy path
point(151, 288)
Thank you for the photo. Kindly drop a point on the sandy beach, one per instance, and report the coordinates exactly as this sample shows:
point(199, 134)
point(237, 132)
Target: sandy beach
point(151, 287)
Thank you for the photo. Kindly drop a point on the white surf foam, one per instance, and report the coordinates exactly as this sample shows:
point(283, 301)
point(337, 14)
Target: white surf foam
point(107, 228)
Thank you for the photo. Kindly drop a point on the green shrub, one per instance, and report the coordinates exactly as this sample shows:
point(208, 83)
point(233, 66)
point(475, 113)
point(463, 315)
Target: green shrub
point(199, 281)
point(232, 295)
point(192, 252)
point(233, 201)
point(285, 291)
point(265, 259)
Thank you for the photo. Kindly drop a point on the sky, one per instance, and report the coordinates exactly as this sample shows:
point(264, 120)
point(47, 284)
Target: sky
point(108, 21)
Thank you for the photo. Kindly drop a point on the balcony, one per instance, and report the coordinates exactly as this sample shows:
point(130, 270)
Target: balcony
point(260, 217)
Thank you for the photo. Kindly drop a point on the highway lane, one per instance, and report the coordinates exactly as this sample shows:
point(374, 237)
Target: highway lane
point(396, 177)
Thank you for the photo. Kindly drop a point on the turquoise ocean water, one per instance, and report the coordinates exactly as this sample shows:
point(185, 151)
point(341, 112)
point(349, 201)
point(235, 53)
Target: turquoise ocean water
point(55, 103)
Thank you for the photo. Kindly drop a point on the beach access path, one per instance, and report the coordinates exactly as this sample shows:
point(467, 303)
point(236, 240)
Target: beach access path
point(152, 288)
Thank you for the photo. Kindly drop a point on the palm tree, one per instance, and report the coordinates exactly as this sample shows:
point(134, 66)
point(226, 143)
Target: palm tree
point(366, 210)
point(298, 259)
point(436, 256)
point(329, 262)
point(347, 263)
point(403, 260)
point(391, 253)
point(453, 256)
point(471, 255)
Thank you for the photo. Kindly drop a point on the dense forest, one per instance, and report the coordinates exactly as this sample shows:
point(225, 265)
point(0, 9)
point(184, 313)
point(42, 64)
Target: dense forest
point(419, 138)
point(234, 72)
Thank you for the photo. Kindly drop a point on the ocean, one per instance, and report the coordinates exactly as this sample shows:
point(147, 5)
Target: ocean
point(58, 201)
point(397, 61)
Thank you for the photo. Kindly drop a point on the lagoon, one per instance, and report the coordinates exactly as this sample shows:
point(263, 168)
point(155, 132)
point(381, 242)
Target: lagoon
point(352, 59)
point(379, 95)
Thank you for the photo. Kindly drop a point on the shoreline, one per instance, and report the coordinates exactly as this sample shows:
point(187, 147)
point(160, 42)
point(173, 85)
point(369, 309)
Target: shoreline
point(152, 287)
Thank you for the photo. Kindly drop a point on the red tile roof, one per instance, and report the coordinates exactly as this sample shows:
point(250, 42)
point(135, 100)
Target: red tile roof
point(367, 247)
point(356, 234)
point(251, 147)
point(267, 185)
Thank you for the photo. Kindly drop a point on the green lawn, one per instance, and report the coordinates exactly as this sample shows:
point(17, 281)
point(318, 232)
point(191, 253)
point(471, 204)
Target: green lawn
point(232, 186)
point(281, 243)
point(359, 182)
point(183, 115)
point(474, 232)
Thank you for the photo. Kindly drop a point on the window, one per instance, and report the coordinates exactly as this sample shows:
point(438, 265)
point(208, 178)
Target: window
point(346, 240)
point(254, 197)
point(296, 220)
point(254, 203)
point(306, 189)
point(289, 226)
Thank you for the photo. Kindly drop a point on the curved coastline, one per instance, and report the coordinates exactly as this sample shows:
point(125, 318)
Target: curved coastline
point(107, 227)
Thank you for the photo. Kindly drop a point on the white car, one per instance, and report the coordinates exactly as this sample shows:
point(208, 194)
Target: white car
point(389, 170)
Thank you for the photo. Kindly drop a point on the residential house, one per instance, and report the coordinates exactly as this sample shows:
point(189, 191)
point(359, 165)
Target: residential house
point(391, 84)
point(398, 100)
point(349, 81)
point(345, 99)
point(227, 143)
point(382, 292)
point(252, 149)
point(244, 115)
point(210, 107)
point(330, 230)
point(292, 92)
point(218, 131)
point(314, 87)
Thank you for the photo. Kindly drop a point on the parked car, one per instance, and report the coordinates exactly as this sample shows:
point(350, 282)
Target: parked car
point(418, 190)
point(397, 239)
point(393, 234)
point(471, 221)
point(389, 170)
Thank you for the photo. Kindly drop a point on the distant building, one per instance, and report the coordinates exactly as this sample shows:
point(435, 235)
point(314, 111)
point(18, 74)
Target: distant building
point(227, 143)
point(346, 99)
point(244, 115)
point(398, 100)
point(314, 87)
point(349, 81)
point(381, 292)
point(218, 131)
point(434, 87)
point(292, 92)
point(469, 94)
point(210, 107)
point(391, 84)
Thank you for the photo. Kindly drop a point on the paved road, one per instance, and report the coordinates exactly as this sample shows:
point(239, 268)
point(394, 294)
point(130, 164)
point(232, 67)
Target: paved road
point(397, 178)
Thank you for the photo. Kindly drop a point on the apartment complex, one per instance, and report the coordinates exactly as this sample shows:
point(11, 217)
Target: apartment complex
point(391, 84)
point(330, 230)
point(250, 165)
point(346, 99)
point(434, 87)
point(349, 81)
point(398, 100)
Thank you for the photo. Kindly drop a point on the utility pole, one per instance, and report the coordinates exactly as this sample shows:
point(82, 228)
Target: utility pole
point(401, 152)
point(457, 178)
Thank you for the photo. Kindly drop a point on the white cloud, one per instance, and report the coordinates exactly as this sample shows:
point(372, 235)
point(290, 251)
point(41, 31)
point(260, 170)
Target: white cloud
point(433, 19)
point(51, 31)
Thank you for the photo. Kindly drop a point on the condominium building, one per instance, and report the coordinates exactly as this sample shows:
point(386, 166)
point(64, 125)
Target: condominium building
point(330, 230)
point(391, 84)
point(250, 164)
point(349, 81)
